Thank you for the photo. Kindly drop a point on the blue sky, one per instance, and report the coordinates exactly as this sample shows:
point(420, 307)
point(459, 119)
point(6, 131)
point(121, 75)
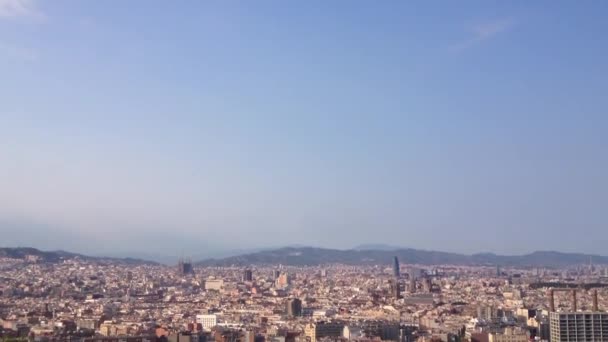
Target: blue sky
point(200, 125)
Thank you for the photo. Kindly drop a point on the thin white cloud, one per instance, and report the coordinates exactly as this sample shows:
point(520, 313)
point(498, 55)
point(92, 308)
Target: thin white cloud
point(484, 32)
point(19, 8)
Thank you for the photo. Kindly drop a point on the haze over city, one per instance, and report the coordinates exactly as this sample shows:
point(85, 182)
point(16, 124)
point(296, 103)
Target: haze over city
point(195, 127)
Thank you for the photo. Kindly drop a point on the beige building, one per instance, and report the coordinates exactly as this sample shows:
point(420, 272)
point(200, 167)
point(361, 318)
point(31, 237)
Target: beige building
point(113, 329)
point(319, 330)
point(509, 335)
point(214, 284)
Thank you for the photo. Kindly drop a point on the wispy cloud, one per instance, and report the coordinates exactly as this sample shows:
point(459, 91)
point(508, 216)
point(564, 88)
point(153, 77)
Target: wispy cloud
point(19, 8)
point(483, 32)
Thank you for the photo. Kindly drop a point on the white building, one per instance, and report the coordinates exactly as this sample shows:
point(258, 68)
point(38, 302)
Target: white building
point(579, 326)
point(352, 332)
point(207, 321)
point(214, 284)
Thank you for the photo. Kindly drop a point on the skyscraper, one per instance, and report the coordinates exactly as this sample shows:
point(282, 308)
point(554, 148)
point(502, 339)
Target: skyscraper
point(574, 325)
point(294, 307)
point(396, 271)
point(578, 326)
point(427, 284)
point(395, 288)
point(247, 275)
point(411, 285)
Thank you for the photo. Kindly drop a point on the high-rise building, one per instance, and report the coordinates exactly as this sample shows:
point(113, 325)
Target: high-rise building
point(276, 274)
point(247, 275)
point(574, 325)
point(509, 335)
point(427, 284)
point(396, 270)
point(407, 333)
point(544, 330)
point(282, 280)
point(487, 313)
point(395, 288)
point(294, 307)
point(578, 326)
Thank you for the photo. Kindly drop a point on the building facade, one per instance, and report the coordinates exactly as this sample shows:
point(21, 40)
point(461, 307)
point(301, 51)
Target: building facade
point(320, 330)
point(207, 321)
point(214, 284)
point(578, 326)
point(396, 268)
point(509, 335)
point(294, 307)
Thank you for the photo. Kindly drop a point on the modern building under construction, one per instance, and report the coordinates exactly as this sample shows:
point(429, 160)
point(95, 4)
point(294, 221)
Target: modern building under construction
point(184, 267)
point(573, 325)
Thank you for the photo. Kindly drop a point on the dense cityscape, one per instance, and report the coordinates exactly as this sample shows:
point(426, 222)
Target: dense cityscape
point(303, 171)
point(77, 299)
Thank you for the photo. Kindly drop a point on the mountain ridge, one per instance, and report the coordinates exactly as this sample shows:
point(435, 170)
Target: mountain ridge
point(60, 255)
point(296, 255)
point(314, 256)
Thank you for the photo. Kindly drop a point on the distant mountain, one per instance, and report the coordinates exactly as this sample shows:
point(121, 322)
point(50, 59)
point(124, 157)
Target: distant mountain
point(310, 256)
point(376, 247)
point(168, 259)
point(58, 256)
point(152, 257)
point(362, 255)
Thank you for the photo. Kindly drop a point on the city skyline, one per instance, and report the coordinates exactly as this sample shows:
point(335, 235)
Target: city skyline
point(309, 255)
point(211, 127)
